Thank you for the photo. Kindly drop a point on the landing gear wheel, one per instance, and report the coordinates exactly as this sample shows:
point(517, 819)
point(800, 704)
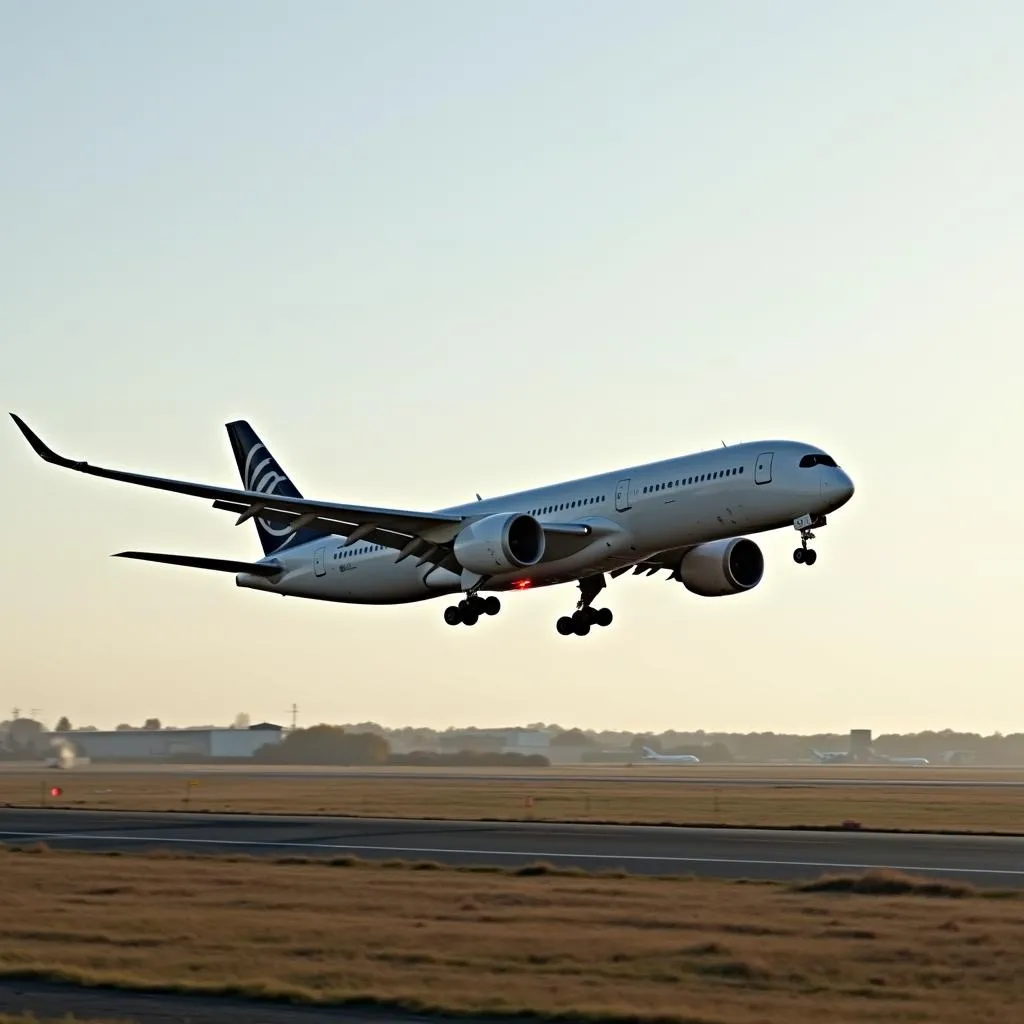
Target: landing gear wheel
point(452, 615)
point(491, 605)
point(470, 618)
point(564, 625)
point(581, 627)
point(603, 616)
point(803, 554)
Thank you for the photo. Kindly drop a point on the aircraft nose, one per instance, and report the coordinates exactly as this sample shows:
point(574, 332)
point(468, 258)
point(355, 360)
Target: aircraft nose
point(837, 488)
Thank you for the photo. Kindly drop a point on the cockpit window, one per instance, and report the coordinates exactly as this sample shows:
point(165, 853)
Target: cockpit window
point(817, 459)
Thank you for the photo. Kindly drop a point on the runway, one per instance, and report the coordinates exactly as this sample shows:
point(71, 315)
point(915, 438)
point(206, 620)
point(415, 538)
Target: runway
point(718, 853)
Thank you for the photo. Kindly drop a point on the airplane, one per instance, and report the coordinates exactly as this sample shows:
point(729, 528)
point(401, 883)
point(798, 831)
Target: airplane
point(918, 762)
point(833, 756)
point(652, 755)
point(687, 515)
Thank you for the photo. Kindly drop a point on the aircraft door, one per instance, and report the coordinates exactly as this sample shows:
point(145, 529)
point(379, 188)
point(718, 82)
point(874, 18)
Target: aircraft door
point(763, 468)
point(622, 502)
point(320, 560)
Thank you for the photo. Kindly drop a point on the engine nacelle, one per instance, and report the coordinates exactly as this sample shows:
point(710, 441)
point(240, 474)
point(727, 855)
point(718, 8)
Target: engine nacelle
point(721, 567)
point(500, 543)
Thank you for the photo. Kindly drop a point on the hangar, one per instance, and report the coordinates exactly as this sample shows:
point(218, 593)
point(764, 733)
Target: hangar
point(165, 744)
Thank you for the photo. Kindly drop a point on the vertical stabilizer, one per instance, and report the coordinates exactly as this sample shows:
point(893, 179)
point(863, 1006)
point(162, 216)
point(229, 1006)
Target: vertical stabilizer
point(260, 471)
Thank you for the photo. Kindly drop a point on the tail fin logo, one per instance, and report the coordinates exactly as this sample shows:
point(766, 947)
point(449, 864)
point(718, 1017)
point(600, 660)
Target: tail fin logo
point(261, 473)
point(265, 477)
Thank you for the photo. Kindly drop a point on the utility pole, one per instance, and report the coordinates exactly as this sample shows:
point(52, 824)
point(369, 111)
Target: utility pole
point(295, 715)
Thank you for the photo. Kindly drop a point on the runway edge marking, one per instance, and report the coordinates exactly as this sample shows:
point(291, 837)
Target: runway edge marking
point(351, 847)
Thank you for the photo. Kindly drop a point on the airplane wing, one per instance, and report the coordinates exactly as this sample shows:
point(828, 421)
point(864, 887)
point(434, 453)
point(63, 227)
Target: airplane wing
point(434, 527)
point(429, 535)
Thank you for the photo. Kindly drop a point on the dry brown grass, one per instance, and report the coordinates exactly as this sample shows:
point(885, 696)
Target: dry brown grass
point(991, 809)
point(555, 942)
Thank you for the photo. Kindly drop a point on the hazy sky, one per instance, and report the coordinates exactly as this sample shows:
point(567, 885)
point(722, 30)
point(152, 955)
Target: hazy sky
point(433, 249)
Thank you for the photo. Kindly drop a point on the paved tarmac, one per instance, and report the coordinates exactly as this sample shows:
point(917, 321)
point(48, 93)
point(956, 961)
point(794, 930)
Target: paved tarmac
point(50, 1001)
point(720, 853)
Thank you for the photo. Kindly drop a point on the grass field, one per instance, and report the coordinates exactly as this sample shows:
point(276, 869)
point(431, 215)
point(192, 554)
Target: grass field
point(425, 936)
point(786, 804)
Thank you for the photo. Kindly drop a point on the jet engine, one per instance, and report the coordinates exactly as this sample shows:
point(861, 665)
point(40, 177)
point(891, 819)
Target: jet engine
point(500, 543)
point(721, 567)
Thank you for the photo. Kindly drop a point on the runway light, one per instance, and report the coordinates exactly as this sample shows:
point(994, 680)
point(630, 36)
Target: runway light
point(56, 791)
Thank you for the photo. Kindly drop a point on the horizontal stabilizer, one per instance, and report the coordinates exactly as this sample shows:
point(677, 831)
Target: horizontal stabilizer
point(195, 562)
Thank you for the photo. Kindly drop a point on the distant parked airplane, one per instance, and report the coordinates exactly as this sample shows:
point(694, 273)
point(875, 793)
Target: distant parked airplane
point(914, 761)
point(651, 755)
point(833, 756)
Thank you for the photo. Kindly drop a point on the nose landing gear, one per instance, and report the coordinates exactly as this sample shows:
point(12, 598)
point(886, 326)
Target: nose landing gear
point(803, 554)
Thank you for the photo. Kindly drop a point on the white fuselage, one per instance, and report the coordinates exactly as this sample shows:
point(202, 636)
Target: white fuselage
point(636, 513)
point(651, 757)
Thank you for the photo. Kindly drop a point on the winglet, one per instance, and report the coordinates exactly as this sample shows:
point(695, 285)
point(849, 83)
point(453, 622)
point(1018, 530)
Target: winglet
point(45, 453)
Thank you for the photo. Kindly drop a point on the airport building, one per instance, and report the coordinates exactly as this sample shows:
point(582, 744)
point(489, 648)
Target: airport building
point(164, 744)
point(496, 741)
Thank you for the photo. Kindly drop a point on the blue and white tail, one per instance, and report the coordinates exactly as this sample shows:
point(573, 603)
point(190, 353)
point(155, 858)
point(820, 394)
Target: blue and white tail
point(260, 471)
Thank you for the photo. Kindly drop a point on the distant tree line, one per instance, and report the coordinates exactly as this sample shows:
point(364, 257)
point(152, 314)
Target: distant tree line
point(470, 759)
point(335, 745)
point(326, 745)
point(613, 745)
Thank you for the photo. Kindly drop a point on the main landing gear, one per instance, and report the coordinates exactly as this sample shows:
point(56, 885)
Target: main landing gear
point(584, 617)
point(469, 610)
point(803, 554)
